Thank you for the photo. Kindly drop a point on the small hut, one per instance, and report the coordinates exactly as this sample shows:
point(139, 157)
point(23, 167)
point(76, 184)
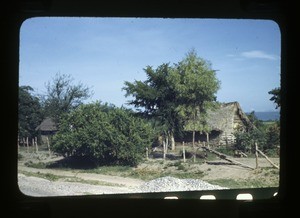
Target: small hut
point(223, 122)
point(47, 128)
point(226, 120)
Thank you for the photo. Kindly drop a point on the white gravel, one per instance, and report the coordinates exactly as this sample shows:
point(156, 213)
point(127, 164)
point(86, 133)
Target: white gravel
point(168, 184)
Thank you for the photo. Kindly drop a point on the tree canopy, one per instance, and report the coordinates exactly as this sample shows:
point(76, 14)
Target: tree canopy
point(197, 91)
point(30, 112)
point(275, 96)
point(63, 96)
point(170, 90)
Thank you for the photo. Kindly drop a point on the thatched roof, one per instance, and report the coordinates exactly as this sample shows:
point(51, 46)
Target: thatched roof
point(227, 117)
point(47, 125)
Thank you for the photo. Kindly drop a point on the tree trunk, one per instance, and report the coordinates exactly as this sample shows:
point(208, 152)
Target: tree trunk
point(207, 138)
point(172, 141)
point(147, 154)
point(27, 144)
point(193, 138)
point(164, 149)
point(194, 120)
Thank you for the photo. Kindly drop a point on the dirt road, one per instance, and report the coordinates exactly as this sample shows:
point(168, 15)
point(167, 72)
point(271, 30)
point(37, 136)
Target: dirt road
point(88, 177)
point(35, 186)
point(66, 183)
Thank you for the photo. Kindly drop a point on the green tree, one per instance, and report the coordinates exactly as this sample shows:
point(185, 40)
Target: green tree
point(104, 134)
point(276, 97)
point(273, 132)
point(245, 141)
point(196, 90)
point(156, 98)
point(254, 120)
point(173, 93)
point(266, 135)
point(273, 136)
point(29, 112)
point(63, 96)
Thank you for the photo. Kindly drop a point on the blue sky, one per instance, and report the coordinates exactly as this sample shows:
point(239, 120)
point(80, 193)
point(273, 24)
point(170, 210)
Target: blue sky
point(102, 53)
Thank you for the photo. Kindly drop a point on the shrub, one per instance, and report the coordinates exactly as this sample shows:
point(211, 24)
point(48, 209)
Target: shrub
point(273, 136)
point(245, 141)
point(103, 133)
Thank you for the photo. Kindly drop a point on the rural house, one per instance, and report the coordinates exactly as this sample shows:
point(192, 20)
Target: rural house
point(223, 122)
point(47, 128)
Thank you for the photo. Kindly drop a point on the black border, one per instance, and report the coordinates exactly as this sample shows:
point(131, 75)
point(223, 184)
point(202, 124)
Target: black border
point(15, 203)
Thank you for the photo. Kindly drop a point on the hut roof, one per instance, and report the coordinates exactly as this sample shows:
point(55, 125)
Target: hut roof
point(47, 125)
point(223, 117)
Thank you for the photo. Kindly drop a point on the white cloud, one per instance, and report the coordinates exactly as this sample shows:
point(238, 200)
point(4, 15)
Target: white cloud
point(258, 54)
point(230, 55)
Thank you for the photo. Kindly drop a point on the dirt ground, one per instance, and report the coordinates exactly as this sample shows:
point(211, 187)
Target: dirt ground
point(217, 171)
point(221, 172)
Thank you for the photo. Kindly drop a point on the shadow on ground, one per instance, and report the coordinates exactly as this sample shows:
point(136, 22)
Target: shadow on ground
point(73, 163)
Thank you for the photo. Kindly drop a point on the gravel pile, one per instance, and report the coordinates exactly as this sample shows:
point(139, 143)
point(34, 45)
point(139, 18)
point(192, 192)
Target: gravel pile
point(166, 184)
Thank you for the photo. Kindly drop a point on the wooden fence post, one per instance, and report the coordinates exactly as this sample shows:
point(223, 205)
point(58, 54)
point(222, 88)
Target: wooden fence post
point(194, 158)
point(183, 152)
point(256, 155)
point(207, 139)
point(147, 154)
point(48, 144)
point(36, 145)
point(265, 156)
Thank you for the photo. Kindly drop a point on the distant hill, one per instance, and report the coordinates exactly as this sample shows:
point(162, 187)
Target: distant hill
point(265, 116)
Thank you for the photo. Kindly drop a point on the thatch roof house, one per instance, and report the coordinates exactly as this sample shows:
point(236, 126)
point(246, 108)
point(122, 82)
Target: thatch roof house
point(223, 122)
point(47, 128)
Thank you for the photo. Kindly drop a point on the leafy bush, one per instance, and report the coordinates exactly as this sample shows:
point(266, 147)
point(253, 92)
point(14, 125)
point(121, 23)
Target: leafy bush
point(245, 141)
point(273, 136)
point(267, 136)
point(105, 134)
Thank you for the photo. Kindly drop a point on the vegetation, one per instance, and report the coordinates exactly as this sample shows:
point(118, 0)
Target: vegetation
point(172, 94)
point(276, 96)
point(255, 182)
point(104, 134)
point(63, 96)
point(173, 99)
point(30, 112)
point(266, 135)
point(101, 138)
